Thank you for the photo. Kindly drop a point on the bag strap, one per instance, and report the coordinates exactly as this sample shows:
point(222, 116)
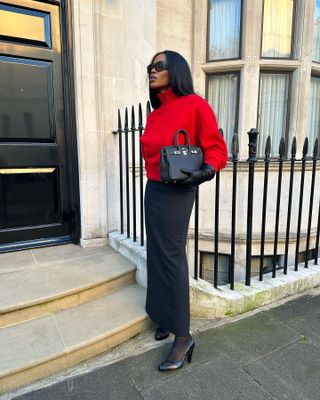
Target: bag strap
point(186, 137)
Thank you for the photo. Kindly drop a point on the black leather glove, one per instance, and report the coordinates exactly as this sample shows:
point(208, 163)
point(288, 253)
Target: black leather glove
point(206, 173)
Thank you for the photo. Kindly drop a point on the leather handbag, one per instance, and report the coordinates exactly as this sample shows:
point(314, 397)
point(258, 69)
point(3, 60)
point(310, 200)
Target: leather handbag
point(176, 157)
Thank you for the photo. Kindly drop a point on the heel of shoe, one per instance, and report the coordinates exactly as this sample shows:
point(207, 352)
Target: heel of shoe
point(189, 354)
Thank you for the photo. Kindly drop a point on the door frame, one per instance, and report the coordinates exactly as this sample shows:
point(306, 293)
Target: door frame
point(70, 117)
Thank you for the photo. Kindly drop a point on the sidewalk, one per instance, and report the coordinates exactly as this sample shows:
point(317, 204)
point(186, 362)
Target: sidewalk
point(273, 354)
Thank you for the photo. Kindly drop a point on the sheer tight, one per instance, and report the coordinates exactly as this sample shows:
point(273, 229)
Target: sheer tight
point(178, 348)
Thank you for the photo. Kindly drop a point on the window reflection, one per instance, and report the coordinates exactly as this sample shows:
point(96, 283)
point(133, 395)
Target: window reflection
point(277, 28)
point(5, 125)
point(28, 199)
point(314, 111)
point(224, 29)
point(24, 25)
point(25, 100)
point(273, 108)
point(223, 96)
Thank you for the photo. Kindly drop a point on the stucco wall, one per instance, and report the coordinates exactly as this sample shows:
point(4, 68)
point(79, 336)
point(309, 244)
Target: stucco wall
point(113, 42)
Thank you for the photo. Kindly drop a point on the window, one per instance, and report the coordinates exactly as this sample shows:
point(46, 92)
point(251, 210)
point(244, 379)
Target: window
point(316, 33)
point(277, 28)
point(273, 110)
point(314, 112)
point(223, 96)
point(224, 29)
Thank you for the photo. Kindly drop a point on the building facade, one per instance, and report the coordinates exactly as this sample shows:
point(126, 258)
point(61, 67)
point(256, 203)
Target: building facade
point(68, 66)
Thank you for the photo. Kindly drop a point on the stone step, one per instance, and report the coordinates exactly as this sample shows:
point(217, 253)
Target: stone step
point(46, 288)
point(41, 347)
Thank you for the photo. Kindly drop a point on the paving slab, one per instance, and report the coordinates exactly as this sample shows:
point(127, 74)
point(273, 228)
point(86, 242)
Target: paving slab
point(16, 261)
point(308, 326)
point(147, 373)
point(217, 379)
point(104, 383)
point(296, 309)
point(56, 254)
point(251, 338)
point(290, 373)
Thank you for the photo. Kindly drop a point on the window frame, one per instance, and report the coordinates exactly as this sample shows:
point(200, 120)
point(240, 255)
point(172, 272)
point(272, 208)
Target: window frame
point(293, 38)
point(236, 72)
point(240, 35)
point(286, 135)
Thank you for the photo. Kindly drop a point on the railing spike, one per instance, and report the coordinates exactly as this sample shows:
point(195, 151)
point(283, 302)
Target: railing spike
point(119, 121)
point(293, 148)
point(315, 148)
point(140, 116)
point(132, 118)
point(305, 147)
point(126, 123)
point(282, 148)
point(148, 108)
point(268, 147)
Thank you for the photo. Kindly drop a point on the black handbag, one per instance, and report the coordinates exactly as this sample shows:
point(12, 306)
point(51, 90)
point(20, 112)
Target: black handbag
point(177, 157)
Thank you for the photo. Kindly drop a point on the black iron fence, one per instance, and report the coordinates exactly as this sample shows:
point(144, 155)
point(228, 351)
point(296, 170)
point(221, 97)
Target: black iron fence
point(298, 246)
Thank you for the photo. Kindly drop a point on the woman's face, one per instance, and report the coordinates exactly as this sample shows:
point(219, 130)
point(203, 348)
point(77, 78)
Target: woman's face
point(159, 80)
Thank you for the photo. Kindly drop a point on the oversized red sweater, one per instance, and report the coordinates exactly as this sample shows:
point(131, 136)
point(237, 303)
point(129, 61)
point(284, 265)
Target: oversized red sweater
point(191, 113)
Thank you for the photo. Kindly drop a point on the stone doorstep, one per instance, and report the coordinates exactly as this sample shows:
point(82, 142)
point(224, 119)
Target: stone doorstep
point(38, 348)
point(209, 302)
point(29, 294)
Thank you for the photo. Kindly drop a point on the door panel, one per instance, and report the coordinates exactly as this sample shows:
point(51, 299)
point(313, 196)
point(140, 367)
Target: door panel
point(26, 100)
point(25, 25)
point(34, 195)
point(22, 205)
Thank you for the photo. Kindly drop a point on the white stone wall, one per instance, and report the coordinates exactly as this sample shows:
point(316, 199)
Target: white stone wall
point(175, 27)
point(113, 43)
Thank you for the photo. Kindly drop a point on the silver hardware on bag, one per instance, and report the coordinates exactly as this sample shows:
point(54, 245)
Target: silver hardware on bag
point(176, 152)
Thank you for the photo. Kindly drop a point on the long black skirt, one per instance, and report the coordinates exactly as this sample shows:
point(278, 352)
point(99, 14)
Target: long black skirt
point(167, 211)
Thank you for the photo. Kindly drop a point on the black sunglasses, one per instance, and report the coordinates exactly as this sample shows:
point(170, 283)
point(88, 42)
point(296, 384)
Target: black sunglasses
point(158, 66)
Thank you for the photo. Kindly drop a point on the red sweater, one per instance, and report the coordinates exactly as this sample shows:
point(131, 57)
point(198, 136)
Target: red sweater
point(191, 113)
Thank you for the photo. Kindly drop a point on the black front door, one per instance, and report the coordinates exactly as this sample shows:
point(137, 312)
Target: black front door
point(34, 191)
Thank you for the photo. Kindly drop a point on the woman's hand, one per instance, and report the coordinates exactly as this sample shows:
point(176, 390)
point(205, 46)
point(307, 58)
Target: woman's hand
point(206, 173)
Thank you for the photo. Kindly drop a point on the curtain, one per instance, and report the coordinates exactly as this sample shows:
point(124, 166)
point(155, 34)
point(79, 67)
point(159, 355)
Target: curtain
point(223, 97)
point(316, 33)
point(314, 112)
point(224, 29)
point(277, 28)
point(273, 109)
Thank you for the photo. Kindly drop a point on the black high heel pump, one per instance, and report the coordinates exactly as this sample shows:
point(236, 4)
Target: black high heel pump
point(161, 334)
point(171, 365)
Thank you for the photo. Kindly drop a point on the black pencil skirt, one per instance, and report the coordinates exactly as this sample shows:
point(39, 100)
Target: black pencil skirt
point(167, 211)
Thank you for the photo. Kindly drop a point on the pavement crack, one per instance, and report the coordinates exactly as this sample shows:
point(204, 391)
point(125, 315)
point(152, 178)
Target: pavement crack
point(302, 338)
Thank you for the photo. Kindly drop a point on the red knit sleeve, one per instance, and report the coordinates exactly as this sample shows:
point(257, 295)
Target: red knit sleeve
point(209, 138)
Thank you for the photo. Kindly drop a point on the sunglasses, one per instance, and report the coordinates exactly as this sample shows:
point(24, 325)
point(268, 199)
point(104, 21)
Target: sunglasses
point(158, 66)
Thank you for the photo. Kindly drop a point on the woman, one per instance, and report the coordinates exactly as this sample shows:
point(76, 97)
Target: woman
point(168, 206)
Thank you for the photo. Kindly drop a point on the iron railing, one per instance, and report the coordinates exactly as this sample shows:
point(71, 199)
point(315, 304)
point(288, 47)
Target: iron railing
point(131, 201)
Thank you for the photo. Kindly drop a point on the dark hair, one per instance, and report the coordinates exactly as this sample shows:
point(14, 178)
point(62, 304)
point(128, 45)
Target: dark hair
point(179, 77)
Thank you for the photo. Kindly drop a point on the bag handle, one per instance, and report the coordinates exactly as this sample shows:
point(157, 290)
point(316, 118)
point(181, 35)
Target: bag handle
point(186, 137)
